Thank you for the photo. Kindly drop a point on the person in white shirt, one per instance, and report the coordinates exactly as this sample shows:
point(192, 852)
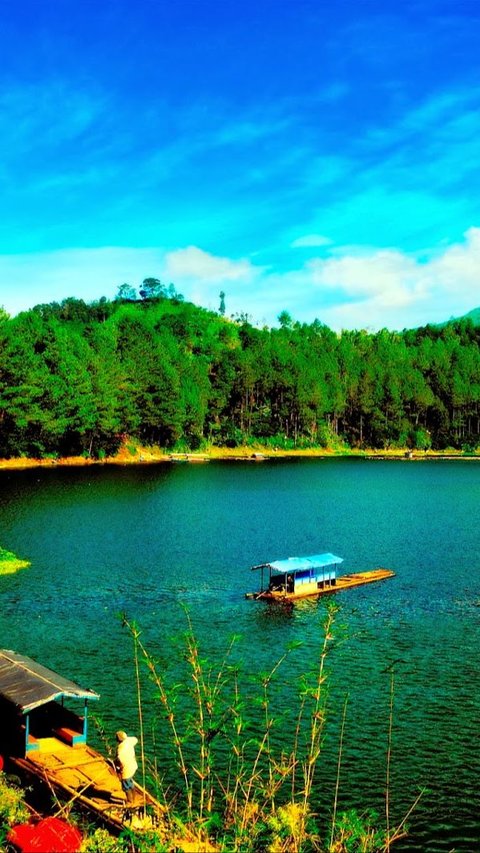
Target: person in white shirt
point(126, 763)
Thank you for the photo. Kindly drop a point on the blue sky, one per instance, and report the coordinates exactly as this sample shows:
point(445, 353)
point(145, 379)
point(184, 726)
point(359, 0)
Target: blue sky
point(321, 158)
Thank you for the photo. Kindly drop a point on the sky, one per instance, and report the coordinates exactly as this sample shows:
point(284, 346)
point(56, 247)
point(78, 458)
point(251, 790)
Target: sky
point(319, 158)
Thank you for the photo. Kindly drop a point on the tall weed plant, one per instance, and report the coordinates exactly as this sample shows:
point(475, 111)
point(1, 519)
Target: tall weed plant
point(237, 785)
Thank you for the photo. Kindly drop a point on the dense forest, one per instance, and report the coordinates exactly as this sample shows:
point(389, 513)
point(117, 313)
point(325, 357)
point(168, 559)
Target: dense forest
point(78, 378)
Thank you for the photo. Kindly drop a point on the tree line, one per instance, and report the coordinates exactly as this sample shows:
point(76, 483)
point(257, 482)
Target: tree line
point(79, 378)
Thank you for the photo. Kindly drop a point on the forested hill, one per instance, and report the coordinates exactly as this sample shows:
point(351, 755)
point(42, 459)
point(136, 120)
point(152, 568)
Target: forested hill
point(79, 378)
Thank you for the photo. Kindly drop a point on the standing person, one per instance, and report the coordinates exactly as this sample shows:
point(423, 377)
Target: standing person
point(126, 763)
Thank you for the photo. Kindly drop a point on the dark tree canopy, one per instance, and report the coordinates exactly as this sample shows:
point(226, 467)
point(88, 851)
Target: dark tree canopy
point(78, 378)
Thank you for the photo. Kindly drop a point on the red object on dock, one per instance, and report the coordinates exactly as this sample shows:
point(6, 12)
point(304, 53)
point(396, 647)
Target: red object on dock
point(50, 833)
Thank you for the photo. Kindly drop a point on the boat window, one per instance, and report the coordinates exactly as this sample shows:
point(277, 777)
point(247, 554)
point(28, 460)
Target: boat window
point(303, 573)
point(45, 719)
point(277, 582)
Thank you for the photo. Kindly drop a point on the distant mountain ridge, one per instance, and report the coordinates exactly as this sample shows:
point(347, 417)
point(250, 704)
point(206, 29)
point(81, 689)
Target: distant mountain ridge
point(473, 315)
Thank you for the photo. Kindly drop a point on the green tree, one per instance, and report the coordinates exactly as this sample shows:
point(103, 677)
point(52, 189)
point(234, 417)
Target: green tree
point(126, 293)
point(152, 288)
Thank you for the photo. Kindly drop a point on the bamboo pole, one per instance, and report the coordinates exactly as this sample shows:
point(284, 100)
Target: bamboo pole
point(136, 635)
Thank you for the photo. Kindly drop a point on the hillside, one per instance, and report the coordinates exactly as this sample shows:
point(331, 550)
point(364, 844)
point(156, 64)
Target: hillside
point(473, 315)
point(78, 379)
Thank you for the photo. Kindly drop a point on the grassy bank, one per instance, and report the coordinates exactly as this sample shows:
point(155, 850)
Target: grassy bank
point(10, 563)
point(135, 454)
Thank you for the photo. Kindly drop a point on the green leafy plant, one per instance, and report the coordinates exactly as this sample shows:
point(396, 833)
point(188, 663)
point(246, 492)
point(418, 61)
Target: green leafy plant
point(12, 804)
point(10, 563)
point(237, 788)
point(100, 841)
point(358, 833)
point(228, 782)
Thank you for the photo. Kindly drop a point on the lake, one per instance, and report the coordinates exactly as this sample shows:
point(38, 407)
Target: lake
point(151, 541)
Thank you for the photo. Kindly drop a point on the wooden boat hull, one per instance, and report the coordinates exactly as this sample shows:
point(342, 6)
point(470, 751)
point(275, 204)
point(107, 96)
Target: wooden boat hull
point(81, 777)
point(313, 591)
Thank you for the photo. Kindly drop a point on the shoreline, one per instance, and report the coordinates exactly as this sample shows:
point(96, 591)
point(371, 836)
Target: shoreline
point(149, 456)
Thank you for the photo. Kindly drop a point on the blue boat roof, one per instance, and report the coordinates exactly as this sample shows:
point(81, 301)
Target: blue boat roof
point(28, 684)
point(295, 564)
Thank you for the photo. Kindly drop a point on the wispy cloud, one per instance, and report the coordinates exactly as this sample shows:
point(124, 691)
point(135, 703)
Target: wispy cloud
point(194, 264)
point(309, 241)
point(45, 115)
point(389, 279)
point(363, 158)
point(407, 185)
point(392, 289)
point(359, 289)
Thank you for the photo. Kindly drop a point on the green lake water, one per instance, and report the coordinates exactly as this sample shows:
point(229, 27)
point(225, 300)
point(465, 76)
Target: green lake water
point(151, 541)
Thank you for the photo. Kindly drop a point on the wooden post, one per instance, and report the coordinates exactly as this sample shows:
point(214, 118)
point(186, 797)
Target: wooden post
point(85, 720)
point(27, 731)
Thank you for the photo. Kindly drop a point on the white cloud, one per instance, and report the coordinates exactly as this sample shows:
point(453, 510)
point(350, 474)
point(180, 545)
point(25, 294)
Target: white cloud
point(375, 288)
point(392, 289)
point(200, 276)
point(194, 263)
point(386, 276)
point(309, 241)
point(372, 288)
point(457, 270)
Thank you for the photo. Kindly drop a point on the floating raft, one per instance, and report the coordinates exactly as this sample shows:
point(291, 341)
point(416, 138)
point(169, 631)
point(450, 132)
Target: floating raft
point(308, 577)
point(83, 777)
point(45, 743)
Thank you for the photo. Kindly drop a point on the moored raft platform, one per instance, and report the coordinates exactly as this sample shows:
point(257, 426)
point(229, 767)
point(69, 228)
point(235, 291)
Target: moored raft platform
point(305, 577)
point(44, 742)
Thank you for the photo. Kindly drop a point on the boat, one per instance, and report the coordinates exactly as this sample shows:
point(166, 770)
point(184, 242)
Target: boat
point(305, 577)
point(44, 742)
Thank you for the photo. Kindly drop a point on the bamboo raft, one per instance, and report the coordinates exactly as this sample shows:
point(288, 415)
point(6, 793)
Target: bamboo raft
point(82, 777)
point(308, 577)
point(45, 743)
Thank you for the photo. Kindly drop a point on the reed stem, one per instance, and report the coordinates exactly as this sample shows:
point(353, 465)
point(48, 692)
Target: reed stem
point(164, 697)
point(136, 635)
point(389, 758)
point(339, 765)
point(256, 797)
point(318, 713)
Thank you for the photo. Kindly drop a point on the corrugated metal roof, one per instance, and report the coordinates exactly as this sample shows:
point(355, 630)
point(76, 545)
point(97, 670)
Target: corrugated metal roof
point(27, 684)
point(294, 564)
